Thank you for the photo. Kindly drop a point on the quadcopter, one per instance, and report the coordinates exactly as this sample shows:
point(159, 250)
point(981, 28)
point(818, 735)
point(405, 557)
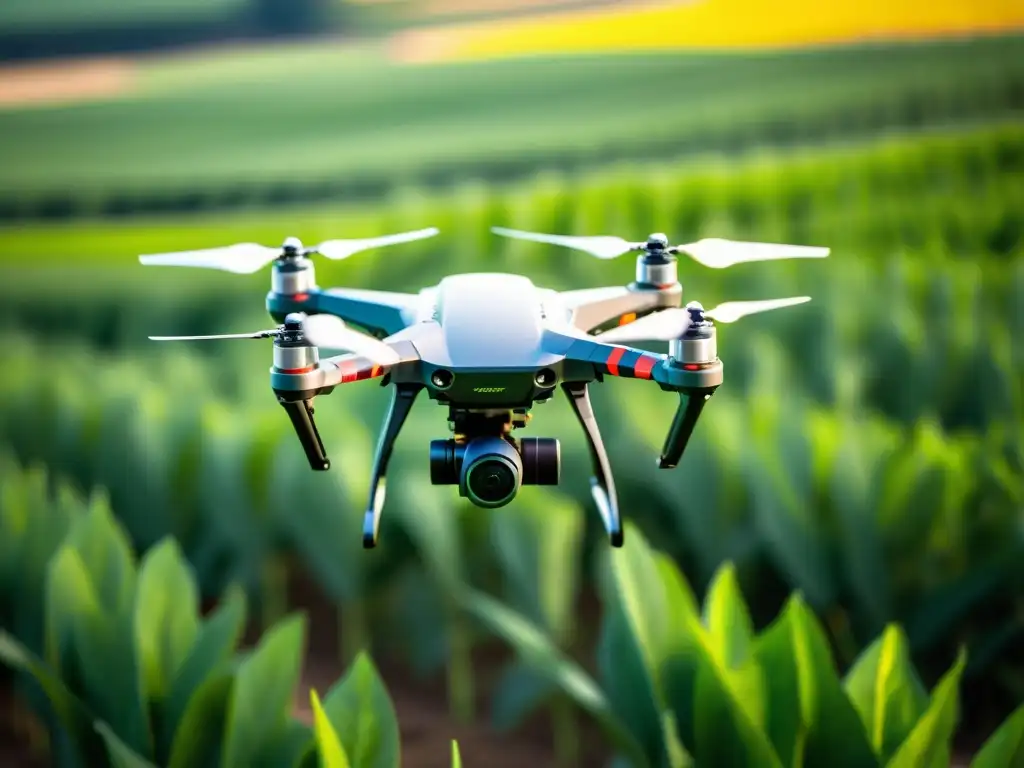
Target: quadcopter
point(490, 346)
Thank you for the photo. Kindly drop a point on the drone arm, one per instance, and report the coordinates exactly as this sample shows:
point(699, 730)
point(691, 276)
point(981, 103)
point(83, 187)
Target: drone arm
point(613, 360)
point(694, 383)
point(592, 308)
point(380, 313)
point(602, 486)
point(300, 412)
point(401, 404)
point(691, 404)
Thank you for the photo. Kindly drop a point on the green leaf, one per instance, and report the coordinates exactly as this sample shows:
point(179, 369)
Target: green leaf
point(1005, 747)
point(264, 691)
point(72, 713)
point(216, 640)
point(68, 590)
point(780, 495)
point(886, 692)
point(106, 553)
point(928, 745)
point(290, 748)
point(649, 618)
point(456, 757)
point(94, 648)
point(732, 634)
point(536, 650)
point(520, 690)
point(723, 731)
point(681, 661)
point(198, 741)
point(332, 754)
point(538, 549)
point(362, 714)
point(166, 616)
point(837, 736)
point(862, 554)
point(789, 716)
point(120, 754)
point(431, 522)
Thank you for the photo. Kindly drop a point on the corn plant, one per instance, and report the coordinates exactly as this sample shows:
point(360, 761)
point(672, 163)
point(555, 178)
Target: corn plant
point(821, 496)
point(681, 685)
point(538, 550)
point(133, 675)
point(872, 523)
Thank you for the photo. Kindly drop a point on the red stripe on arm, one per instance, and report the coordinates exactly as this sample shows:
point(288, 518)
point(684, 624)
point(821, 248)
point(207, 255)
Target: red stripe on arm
point(349, 370)
point(644, 366)
point(612, 363)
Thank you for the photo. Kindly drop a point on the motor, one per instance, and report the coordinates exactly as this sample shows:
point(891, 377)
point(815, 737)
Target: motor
point(490, 470)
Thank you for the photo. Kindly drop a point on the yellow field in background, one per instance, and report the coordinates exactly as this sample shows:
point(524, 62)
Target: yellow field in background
point(711, 24)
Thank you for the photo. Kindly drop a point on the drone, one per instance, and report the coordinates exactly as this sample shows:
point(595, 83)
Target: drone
point(490, 346)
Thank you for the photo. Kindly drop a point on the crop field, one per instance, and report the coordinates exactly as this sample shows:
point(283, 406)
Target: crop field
point(336, 122)
point(719, 24)
point(834, 573)
point(865, 450)
point(25, 15)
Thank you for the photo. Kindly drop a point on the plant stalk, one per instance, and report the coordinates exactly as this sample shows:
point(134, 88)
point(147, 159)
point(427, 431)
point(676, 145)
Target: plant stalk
point(274, 598)
point(460, 671)
point(353, 635)
point(563, 726)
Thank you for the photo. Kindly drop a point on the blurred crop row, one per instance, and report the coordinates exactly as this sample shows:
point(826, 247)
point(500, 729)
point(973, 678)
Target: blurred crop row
point(865, 450)
point(196, 134)
point(124, 671)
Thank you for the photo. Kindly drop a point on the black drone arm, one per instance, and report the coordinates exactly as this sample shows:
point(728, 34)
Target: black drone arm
point(602, 484)
point(402, 400)
point(694, 383)
point(296, 388)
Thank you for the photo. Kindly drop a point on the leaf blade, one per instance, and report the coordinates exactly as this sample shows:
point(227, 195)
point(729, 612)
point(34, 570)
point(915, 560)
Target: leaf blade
point(360, 711)
point(328, 745)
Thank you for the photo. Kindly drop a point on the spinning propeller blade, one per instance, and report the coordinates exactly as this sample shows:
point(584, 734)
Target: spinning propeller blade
point(330, 332)
point(601, 247)
point(247, 258)
point(326, 331)
point(672, 323)
point(717, 253)
point(257, 335)
point(711, 252)
point(342, 249)
point(242, 258)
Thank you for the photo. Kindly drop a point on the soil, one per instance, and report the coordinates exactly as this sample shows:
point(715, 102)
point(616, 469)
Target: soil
point(425, 723)
point(63, 82)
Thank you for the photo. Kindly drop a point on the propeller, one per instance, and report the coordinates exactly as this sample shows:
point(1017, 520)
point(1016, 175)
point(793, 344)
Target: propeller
point(670, 324)
point(330, 332)
point(711, 252)
point(246, 258)
point(323, 331)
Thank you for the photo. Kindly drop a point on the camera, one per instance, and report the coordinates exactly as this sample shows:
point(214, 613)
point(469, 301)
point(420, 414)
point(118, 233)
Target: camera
point(490, 470)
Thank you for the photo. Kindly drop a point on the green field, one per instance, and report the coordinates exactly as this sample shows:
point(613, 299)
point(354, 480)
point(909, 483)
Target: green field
point(55, 15)
point(861, 468)
point(332, 122)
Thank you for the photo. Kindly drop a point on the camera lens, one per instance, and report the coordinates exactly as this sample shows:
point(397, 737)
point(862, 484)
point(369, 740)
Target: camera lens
point(492, 480)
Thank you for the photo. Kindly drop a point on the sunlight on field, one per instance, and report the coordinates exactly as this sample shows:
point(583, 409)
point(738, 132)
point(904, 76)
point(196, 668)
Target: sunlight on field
point(713, 24)
point(60, 82)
